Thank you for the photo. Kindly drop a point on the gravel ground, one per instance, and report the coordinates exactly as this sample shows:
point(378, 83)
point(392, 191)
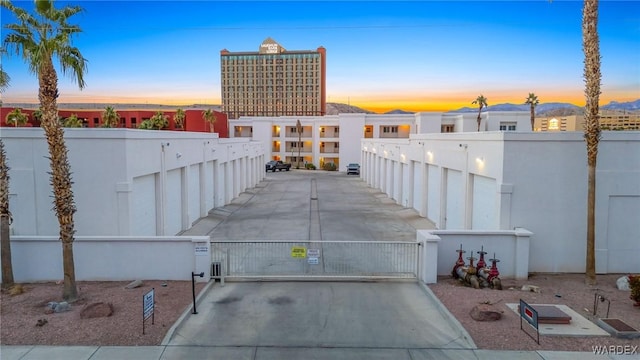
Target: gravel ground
point(505, 334)
point(19, 314)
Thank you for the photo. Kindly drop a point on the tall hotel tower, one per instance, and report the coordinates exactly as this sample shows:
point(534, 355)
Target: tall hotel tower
point(273, 82)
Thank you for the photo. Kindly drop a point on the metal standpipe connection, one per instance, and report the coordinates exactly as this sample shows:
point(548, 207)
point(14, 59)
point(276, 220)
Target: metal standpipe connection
point(467, 274)
point(477, 276)
point(489, 277)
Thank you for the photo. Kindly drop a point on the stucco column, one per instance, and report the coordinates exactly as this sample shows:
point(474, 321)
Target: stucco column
point(521, 260)
point(123, 193)
point(505, 192)
point(429, 265)
point(202, 254)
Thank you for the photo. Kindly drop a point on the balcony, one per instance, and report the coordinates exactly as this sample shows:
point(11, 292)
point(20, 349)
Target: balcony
point(329, 147)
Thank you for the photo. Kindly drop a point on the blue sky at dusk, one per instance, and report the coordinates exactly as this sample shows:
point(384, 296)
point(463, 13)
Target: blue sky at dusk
point(413, 55)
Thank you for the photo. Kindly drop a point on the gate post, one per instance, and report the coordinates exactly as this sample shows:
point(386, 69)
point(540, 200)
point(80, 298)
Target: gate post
point(430, 256)
point(202, 255)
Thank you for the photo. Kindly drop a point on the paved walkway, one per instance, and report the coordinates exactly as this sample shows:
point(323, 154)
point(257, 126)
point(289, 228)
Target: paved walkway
point(307, 320)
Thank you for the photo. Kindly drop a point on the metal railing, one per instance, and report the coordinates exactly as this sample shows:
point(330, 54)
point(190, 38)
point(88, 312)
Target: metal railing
point(320, 259)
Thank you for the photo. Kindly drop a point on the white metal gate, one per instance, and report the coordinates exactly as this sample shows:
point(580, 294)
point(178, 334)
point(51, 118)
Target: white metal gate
point(306, 260)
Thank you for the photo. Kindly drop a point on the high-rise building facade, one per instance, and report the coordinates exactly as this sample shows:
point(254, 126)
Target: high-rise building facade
point(273, 82)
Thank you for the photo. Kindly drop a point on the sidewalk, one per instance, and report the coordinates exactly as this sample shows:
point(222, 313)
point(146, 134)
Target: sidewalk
point(276, 353)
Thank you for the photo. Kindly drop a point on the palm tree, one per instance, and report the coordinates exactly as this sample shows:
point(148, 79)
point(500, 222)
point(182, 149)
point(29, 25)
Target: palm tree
point(178, 118)
point(39, 38)
point(5, 221)
point(299, 130)
point(592, 77)
point(159, 120)
point(5, 214)
point(482, 102)
point(110, 118)
point(16, 118)
point(72, 122)
point(533, 101)
point(210, 117)
point(4, 77)
point(37, 114)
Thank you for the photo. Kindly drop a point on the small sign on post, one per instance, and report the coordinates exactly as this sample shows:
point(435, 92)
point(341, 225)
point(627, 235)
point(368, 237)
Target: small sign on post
point(530, 314)
point(201, 249)
point(148, 305)
point(313, 252)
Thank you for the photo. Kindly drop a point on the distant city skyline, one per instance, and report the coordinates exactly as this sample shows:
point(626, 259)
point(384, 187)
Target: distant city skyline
point(412, 55)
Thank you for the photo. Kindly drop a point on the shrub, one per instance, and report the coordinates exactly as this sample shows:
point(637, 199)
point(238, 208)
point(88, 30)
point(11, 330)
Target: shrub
point(330, 167)
point(310, 166)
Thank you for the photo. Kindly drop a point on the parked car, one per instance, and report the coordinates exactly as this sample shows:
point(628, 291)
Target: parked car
point(274, 165)
point(353, 169)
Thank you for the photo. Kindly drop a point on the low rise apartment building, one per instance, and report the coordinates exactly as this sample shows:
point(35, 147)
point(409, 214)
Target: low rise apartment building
point(609, 120)
point(336, 139)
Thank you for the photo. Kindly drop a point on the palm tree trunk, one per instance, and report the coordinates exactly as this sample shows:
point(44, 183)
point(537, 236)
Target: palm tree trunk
point(533, 117)
point(7, 267)
point(299, 146)
point(64, 204)
point(591, 48)
point(479, 118)
point(5, 221)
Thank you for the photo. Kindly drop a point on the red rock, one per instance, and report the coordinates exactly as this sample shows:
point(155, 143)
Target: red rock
point(485, 312)
point(95, 310)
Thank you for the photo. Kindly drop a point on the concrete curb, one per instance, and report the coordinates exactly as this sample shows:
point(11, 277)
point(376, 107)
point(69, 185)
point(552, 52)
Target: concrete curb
point(452, 319)
point(185, 314)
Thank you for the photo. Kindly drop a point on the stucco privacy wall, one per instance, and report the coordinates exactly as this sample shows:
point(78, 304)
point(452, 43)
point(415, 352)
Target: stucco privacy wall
point(109, 258)
point(129, 182)
point(506, 180)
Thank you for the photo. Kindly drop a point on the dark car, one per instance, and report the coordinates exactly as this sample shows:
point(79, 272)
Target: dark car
point(353, 169)
point(274, 165)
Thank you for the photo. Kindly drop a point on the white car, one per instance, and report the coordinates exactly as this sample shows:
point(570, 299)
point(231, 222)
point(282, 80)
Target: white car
point(353, 169)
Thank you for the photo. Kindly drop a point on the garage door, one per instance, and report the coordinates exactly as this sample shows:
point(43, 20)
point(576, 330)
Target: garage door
point(433, 193)
point(173, 218)
point(484, 215)
point(417, 187)
point(622, 235)
point(144, 205)
point(454, 206)
point(194, 193)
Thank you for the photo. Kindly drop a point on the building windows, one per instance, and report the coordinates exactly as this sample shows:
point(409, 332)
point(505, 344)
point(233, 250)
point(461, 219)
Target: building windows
point(446, 128)
point(389, 129)
point(507, 127)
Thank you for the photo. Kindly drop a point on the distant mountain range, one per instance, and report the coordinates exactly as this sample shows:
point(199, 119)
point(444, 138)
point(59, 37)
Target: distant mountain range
point(338, 108)
point(545, 109)
point(557, 109)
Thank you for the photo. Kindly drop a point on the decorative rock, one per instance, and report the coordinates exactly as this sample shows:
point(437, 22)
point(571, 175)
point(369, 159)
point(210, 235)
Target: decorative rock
point(54, 307)
point(623, 283)
point(485, 312)
point(62, 307)
point(96, 310)
point(134, 284)
point(531, 288)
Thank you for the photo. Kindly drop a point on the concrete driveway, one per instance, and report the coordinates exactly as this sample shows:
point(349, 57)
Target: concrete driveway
point(317, 205)
point(388, 315)
point(314, 205)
